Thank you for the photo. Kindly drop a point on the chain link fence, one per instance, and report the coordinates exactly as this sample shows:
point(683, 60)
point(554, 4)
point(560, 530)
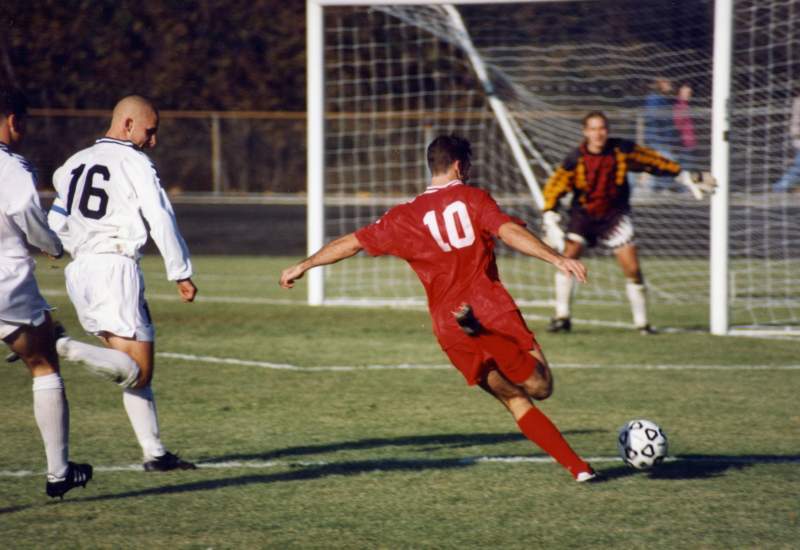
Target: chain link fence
point(221, 153)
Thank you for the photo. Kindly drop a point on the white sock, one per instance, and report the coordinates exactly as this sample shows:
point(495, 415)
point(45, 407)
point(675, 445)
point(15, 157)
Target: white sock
point(51, 411)
point(141, 408)
point(114, 365)
point(564, 287)
point(637, 294)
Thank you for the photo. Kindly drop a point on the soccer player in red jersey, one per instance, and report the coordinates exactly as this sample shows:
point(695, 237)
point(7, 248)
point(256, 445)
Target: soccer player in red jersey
point(446, 234)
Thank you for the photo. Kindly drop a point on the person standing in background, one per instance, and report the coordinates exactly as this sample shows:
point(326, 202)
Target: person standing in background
point(684, 124)
point(659, 129)
point(791, 178)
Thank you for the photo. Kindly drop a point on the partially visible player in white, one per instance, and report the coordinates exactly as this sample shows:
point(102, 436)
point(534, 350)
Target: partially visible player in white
point(25, 323)
point(105, 194)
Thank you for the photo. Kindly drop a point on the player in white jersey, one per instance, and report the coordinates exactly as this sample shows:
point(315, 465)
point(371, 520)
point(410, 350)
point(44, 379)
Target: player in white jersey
point(105, 194)
point(25, 323)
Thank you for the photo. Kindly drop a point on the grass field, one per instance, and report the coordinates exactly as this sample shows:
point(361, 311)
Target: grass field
point(293, 453)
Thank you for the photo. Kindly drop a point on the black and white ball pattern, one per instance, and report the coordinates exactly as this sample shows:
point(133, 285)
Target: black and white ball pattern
point(642, 444)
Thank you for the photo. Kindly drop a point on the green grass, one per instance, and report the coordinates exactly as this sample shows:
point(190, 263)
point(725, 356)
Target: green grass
point(371, 458)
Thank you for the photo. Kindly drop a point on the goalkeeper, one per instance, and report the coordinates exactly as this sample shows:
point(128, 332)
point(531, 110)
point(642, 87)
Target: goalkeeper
point(596, 175)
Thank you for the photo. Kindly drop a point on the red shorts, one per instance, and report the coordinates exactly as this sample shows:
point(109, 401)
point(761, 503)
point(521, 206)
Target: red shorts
point(471, 356)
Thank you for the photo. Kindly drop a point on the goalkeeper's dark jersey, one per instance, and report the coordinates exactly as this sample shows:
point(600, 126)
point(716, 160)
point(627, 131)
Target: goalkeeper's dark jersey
point(599, 182)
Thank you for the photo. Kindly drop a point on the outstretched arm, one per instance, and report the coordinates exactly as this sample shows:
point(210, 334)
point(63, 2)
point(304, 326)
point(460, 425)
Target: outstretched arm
point(31, 220)
point(341, 248)
point(522, 240)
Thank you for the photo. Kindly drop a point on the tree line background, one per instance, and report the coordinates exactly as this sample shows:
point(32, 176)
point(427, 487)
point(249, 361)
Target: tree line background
point(232, 55)
point(241, 54)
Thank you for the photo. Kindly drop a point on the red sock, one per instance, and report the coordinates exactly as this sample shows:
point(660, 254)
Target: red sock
point(539, 429)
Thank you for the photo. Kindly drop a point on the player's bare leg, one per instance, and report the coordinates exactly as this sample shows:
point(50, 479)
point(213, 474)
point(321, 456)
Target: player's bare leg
point(539, 385)
point(142, 352)
point(635, 288)
point(535, 425)
point(140, 405)
point(564, 289)
point(35, 346)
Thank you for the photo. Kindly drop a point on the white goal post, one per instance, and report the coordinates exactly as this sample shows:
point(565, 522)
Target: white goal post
point(384, 76)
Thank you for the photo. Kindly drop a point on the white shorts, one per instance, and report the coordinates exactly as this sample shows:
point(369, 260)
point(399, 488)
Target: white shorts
point(7, 328)
point(107, 291)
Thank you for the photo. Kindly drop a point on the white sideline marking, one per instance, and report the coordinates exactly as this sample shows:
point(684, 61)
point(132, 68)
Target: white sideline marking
point(406, 366)
point(472, 460)
point(283, 366)
point(201, 298)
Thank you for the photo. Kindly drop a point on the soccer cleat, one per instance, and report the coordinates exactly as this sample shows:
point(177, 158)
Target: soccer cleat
point(647, 330)
point(466, 319)
point(167, 462)
point(12, 357)
point(78, 475)
point(559, 325)
point(58, 331)
point(587, 476)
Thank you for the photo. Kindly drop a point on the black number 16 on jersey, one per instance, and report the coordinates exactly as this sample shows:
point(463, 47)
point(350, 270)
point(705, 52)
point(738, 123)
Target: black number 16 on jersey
point(96, 209)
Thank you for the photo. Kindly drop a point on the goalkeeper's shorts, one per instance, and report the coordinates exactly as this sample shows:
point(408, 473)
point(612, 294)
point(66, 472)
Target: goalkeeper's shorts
point(611, 232)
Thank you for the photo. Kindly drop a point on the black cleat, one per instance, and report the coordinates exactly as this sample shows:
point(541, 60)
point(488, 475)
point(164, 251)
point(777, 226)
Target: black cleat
point(559, 325)
point(465, 318)
point(58, 331)
point(78, 475)
point(12, 357)
point(167, 462)
point(647, 330)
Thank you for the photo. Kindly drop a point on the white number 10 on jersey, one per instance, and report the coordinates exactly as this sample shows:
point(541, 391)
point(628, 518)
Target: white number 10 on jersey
point(453, 210)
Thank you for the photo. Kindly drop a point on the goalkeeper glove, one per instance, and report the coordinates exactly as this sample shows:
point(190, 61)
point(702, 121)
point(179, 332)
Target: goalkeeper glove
point(697, 182)
point(554, 235)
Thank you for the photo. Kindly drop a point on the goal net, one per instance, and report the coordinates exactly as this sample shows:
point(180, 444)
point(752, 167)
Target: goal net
point(764, 216)
point(398, 75)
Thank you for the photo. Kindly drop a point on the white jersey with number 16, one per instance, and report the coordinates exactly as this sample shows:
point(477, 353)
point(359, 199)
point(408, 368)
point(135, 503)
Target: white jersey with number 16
point(105, 194)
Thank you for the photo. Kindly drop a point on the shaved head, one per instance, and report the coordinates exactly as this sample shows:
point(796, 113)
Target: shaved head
point(132, 105)
point(134, 119)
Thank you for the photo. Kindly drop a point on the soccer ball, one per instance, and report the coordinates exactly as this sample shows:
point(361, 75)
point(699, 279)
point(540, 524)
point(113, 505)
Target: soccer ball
point(642, 444)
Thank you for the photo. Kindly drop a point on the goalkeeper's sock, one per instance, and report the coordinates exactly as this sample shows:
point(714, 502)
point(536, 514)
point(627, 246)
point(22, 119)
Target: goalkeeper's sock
point(637, 294)
point(535, 425)
point(564, 285)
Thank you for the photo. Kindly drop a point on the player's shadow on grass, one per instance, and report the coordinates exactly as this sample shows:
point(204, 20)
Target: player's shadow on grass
point(297, 473)
point(684, 467)
point(424, 442)
point(697, 466)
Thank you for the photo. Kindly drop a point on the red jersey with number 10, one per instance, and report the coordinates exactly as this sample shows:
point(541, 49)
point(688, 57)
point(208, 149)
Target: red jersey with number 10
point(446, 234)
